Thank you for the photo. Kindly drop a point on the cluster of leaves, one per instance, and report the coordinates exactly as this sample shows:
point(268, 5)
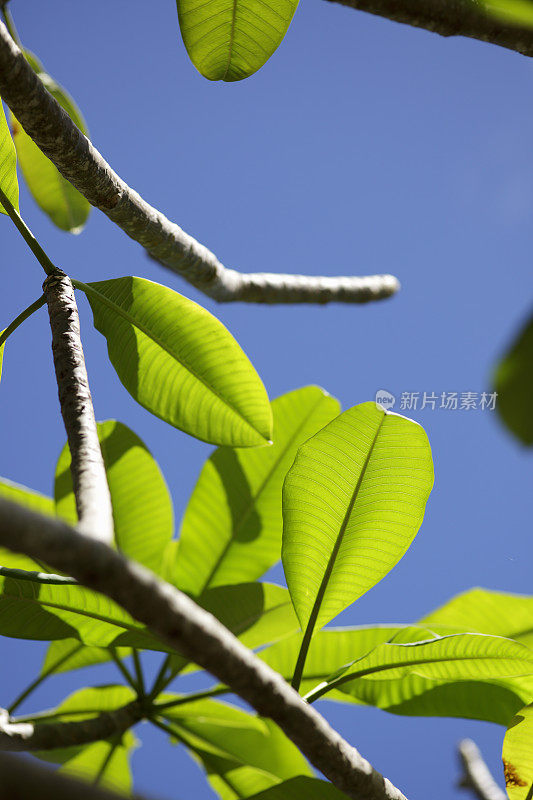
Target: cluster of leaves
point(338, 497)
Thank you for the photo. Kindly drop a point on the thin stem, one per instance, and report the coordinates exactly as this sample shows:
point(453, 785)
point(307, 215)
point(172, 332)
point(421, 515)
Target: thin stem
point(21, 317)
point(28, 236)
point(37, 577)
point(164, 727)
point(138, 672)
point(159, 683)
point(37, 682)
point(190, 698)
point(125, 671)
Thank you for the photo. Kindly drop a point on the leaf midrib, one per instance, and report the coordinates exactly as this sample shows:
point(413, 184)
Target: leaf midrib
point(315, 611)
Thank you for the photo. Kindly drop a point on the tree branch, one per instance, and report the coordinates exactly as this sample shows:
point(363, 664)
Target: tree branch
point(21, 779)
point(198, 636)
point(93, 500)
point(476, 774)
point(80, 163)
point(450, 18)
point(33, 736)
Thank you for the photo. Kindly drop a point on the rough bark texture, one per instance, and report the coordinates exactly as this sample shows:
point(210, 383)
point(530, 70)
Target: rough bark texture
point(198, 636)
point(93, 500)
point(476, 775)
point(450, 18)
point(32, 736)
point(76, 158)
point(22, 779)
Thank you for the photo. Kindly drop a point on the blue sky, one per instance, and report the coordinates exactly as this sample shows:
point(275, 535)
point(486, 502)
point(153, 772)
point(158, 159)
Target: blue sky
point(362, 146)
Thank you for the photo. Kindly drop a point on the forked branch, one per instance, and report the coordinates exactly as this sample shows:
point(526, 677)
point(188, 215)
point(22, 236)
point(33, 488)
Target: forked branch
point(33, 736)
point(91, 491)
point(80, 163)
point(197, 635)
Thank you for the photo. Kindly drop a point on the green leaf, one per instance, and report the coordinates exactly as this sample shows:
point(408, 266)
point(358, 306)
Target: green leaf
point(36, 502)
point(241, 753)
point(1, 355)
point(65, 206)
point(329, 649)
point(107, 760)
point(87, 703)
point(142, 508)
point(484, 611)
point(513, 381)
point(517, 755)
point(513, 12)
point(231, 531)
point(66, 655)
point(180, 362)
point(8, 164)
point(228, 40)
point(302, 788)
point(353, 501)
point(463, 656)
point(30, 610)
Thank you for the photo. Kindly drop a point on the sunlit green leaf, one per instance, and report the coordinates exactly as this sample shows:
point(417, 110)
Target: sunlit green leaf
point(231, 531)
point(484, 611)
point(517, 755)
point(180, 362)
point(513, 381)
point(107, 760)
point(65, 206)
point(352, 503)
point(8, 164)
point(240, 752)
point(66, 655)
point(142, 508)
point(302, 788)
point(329, 649)
point(1, 355)
point(463, 656)
point(228, 41)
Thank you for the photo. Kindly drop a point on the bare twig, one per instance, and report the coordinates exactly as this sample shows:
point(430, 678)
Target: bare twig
point(21, 779)
point(33, 736)
point(80, 163)
point(91, 491)
point(451, 18)
point(198, 636)
point(476, 775)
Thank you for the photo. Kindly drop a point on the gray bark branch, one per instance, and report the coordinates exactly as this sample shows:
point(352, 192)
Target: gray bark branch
point(197, 635)
point(34, 736)
point(93, 500)
point(450, 18)
point(476, 775)
point(21, 779)
point(79, 162)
